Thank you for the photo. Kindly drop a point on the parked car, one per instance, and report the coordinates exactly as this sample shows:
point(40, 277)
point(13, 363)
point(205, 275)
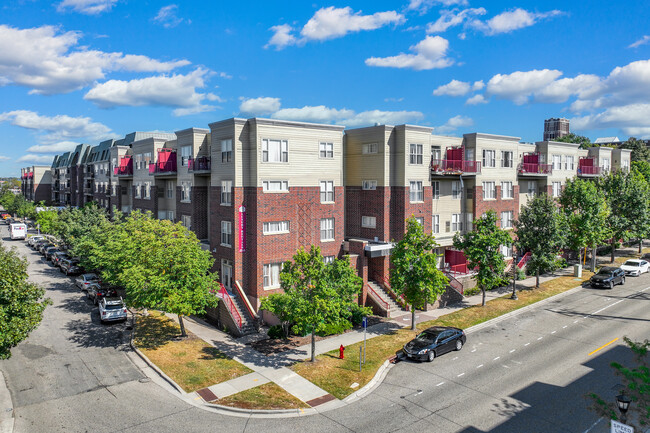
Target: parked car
point(97, 291)
point(37, 244)
point(57, 257)
point(112, 309)
point(608, 277)
point(49, 252)
point(645, 257)
point(32, 239)
point(434, 342)
point(42, 246)
point(4, 215)
point(85, 280)
point(635, 267)
point(70, 266)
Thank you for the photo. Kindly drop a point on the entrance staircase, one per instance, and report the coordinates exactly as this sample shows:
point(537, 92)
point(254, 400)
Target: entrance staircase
point(384, 300)
point(241, 318)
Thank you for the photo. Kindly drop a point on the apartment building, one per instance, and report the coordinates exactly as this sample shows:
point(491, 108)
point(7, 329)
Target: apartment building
point(36, 183)
point(555, 128)
point(61, 180)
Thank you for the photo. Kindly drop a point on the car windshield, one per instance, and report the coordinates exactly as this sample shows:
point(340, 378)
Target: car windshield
point(606, 271)
point(114, 307)
point(90, 277)
point(428, 337)
point(632, 263)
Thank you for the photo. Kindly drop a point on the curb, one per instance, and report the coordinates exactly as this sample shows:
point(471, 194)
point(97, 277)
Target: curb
point(6, 408)
point(374, 382)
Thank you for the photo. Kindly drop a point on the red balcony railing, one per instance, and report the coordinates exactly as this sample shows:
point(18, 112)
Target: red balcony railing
point(164, 166)
point(201, 163)
point(123, 171)
point(532, 168)
point(589, 170)
point(455, 166)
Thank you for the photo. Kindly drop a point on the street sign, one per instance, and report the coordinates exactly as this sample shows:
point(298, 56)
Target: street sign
point(619, 427)
point(365, 322)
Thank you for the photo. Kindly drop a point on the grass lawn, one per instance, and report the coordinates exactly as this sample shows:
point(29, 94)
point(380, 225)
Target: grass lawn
point(267, 396)
point(336, 376)
point(190, 362)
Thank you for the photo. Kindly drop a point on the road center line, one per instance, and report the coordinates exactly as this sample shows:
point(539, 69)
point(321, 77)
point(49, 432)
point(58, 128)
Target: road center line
point(539, 338)
point(462, 374)
point(565, 326)
point(553, 332)
point(480, 366)
point(440, 383)
point(575, 321)
point(512, 350)
point(526, 344)
point(603, 346)
point(496, 358)
point(604, 308)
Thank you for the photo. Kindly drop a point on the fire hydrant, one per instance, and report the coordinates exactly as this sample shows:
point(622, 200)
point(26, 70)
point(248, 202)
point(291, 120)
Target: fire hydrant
point(341, 350)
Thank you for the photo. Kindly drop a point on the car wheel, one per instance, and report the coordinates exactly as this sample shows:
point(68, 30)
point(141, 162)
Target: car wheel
point(459, 344)
point(431, 356)
point(95, 300)
point(623, 280)
point(611, 285)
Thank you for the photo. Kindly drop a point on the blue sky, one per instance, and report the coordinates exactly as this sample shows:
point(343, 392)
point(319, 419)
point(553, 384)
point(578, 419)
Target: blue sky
point(74, 71)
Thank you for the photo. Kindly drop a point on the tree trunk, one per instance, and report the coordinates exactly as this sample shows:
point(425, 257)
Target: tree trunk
point(613, 246)
point(537, 279)
point(593, 259)
point(313, 344)
point(640, 245)
point(412, 317)
point(483, 291)
point(180, 322)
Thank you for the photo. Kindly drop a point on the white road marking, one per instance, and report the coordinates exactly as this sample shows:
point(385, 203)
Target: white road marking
point(504, 366)
point(593, 425)
point(440, 383)
point(474, 350)
point(526, 344)
point(553, 332)
point(604, 308)
point(539, 338)
point(512, 350)
point(575, 321)
point(455, 359)
point(498, 357)
point(565, 326)
point(480, 366)
point(462, 374)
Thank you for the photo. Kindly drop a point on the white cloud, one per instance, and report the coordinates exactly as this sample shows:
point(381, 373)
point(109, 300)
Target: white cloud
point(633, 119)
point(454, 123)
point(330, 23)
point(478, 85)
point(560, 90)
point(259, 106)
point(36, 159)
point(88, 7)
point(4, 158)
point(453, 18)
point(430, 53)
point(57, 128)
point(167, 17)
point(453, 88)
point(177, 90)
point(476, 99)
point(518, 86)
point(643, 41)
point(393, 99)
point(318, 114)
point(60, 147)
point(49, 61)
point(382, 117)
point(511, 20)
point(424, 5)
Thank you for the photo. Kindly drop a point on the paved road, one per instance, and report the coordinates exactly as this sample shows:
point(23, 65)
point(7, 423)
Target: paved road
point(528, 373)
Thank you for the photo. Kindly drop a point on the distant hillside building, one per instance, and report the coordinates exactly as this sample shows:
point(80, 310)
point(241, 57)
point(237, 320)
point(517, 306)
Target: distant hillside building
point(555, 128)
point(608, 141)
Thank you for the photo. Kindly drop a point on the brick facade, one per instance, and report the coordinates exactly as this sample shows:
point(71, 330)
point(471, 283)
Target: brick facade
point(498, 204)
point(196, 208)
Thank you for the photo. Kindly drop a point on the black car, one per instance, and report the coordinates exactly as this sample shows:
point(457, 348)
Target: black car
point(99, 291)
point(70, 266)
point(434, 342)
point(608, 277)
point(38, 243)
point(50, 252)
point(43, 246)
point(57, 257)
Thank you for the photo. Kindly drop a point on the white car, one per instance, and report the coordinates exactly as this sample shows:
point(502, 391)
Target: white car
point(32, 239)
point(112, 309)
point(635, 267)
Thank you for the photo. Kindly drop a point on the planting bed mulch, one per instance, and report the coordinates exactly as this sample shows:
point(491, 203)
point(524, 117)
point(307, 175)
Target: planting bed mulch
point(272, 346)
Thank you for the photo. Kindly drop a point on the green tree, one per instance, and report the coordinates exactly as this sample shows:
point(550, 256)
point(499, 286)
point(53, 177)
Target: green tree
point(7, 201)
point(643, 167)
point(73, 224)
point(482, 248)
point(583, 141)
point(21, 302)
point(640, 151)
point(414, 273)
point(47, 220)
point(586, 211)
point(541, 230)
point(279, 304)
point(636, 381)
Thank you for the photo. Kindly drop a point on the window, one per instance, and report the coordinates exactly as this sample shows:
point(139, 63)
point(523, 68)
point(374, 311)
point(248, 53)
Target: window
point(568, 163)
point(488, 191)
point(226, 192)
point(327, 191)
point(606, 164)
point(435, 153)
point(170, 188)
point(275, 227)
point(435, 224)
point(368, 222)
point(328, 259)
point(625, 164)
point(369, 148)
point(226, 233)
point(275, 186)
point(147, 160)
point(138, 190)
point(416, 191)
point(457, 222)
point(369, 184)
point(506, 251)
point(420, 220)
point(416, 154)
point(532, 188)
point(456, 189)
point(186, 221)
point(506, 219)
point(275, 150)
point(226, 150)
point(469, 220)
point(226, 273)
point(147, 190)
point(489, 157)
point(326, 150)
point(113, 190)
point(327, 229)
point(506, 159)
point(185, 191)
point(507, 190)
point(557, 189)
point(138, 161)
point(435, 188)
point(557, 162)
point(186, 154)
point(272, 275)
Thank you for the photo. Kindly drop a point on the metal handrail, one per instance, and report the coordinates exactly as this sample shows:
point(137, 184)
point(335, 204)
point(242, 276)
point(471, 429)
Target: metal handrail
point(455, 284)
point(534, 168)
point(230, 305)
point(399, 299)
point(524, 260)
point(456, 165)
point(244, 298)
point(377, 297)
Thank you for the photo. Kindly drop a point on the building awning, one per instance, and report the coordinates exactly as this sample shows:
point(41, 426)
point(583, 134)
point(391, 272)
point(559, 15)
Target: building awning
point(378, 249)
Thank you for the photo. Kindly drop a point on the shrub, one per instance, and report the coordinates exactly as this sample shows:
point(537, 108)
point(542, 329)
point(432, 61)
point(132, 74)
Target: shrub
point(335, 328)
point(275, 332)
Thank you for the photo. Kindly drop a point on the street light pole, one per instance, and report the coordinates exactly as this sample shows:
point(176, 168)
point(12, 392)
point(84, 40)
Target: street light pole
point(623, 402)
point(514, 277)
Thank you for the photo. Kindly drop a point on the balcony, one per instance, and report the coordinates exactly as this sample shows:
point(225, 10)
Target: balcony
point(123, 171)
point(166, 164)
point(534, 169)
point(199, 165)
point(445, 167)
point(587, 167)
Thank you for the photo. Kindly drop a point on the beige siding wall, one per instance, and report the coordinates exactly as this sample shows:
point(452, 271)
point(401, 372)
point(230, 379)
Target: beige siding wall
point(231, 129)
point(360, 166)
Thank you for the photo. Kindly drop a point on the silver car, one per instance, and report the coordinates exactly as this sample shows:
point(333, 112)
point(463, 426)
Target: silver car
point(86, 280)
point(112, 309)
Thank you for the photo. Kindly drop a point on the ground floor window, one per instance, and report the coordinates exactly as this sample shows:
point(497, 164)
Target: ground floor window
point(272, 275)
